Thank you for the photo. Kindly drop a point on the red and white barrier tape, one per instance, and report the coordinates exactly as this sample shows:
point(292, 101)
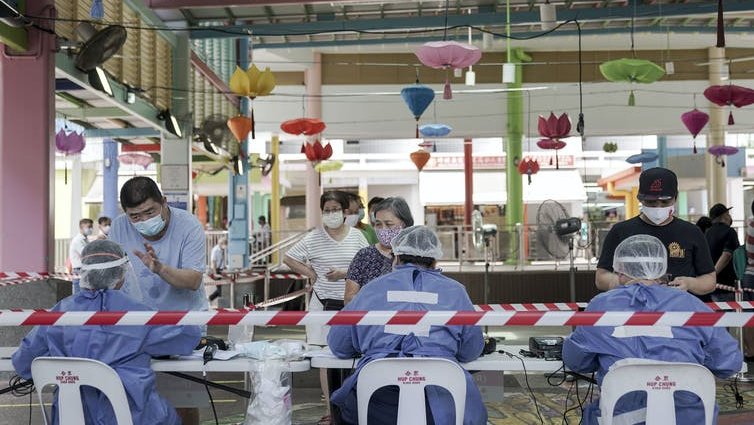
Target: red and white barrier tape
point(257, 275)
point(281, 299)
point(721, 305)
point(421, 318)
point(36, 277)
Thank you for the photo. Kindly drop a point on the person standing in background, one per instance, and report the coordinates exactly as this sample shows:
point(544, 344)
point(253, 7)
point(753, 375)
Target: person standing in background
point(355, 213)
point(217, 258)
point(722, 241)
point(104, 223)
point(78, 243)
point(370, 208)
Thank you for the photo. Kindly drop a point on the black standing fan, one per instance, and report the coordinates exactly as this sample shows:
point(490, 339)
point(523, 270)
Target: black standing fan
point(99, 46)
point(555, 236)
point(481, 235)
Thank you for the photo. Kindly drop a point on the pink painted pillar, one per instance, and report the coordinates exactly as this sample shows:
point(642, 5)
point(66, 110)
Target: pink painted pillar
point(313, 80)
point(27, 86)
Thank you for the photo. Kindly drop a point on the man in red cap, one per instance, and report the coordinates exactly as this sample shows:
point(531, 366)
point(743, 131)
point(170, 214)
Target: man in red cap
point(690, 265)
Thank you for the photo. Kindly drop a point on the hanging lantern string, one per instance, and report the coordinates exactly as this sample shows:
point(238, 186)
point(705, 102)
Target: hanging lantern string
point(633, 52)
point(580, 123)
point(445, 28)
point(528, 123)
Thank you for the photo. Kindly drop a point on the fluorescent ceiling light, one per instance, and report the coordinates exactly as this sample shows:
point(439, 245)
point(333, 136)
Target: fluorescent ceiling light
point(98, 79)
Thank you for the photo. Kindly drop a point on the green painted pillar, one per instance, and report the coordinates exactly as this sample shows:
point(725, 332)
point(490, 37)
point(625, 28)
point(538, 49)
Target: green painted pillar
point(514, 212)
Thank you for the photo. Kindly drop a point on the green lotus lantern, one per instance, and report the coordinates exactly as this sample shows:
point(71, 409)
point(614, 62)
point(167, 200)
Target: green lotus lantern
point(632, 71)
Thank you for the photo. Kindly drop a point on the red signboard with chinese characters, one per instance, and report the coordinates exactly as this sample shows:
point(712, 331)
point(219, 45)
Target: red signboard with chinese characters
point(495, 162)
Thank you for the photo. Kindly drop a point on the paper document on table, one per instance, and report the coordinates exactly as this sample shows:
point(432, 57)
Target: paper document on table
point(219, 355)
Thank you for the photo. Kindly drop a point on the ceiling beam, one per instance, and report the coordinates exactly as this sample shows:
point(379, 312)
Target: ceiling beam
point(463, 38)
point(141, 108)
point(92, 112)
point(177, 4)
point(479, 19)
point(122, 133)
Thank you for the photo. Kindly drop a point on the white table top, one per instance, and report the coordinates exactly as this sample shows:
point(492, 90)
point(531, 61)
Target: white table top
point(494, 361)
point(238, 364)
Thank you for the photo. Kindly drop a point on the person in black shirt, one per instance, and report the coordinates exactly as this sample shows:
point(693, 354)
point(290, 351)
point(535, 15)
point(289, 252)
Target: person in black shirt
point(722, 241)
point(690, 265)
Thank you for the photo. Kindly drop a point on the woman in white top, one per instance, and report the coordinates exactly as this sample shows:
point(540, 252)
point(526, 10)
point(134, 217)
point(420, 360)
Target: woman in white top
point(324, 256)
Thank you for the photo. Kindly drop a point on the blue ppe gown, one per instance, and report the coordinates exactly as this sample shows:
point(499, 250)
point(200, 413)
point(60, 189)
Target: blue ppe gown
point(127, 349)
point(409, 288)
point(595, 349)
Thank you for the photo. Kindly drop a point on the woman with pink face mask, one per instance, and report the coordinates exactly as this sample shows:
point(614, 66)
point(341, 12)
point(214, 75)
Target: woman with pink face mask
point(391, 216)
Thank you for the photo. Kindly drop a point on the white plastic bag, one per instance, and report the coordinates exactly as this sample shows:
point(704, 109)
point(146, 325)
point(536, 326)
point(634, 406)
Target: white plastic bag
point(272, 404)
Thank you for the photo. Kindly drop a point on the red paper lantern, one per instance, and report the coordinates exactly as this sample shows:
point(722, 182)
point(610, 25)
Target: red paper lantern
point(240, 126)
point(315, 152)
point(420, 158)
point(305, 126)
point(528, 166)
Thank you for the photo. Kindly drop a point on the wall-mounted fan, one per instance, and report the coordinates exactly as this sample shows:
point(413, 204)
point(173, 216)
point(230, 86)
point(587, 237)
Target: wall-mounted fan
point(98, 46)
point(555, 232)
point(265, 163)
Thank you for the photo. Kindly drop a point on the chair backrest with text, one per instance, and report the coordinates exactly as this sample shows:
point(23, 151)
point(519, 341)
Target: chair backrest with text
point(69, 374)
point(660, 380)
point(411, 375)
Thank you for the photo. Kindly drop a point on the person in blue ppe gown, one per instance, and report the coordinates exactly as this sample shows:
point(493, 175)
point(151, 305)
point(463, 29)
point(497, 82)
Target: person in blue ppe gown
point(643, 260)
point(127, 349)
point(414, 285)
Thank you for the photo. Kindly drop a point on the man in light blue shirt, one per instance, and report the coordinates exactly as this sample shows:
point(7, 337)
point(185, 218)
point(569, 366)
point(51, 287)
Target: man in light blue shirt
point(169, 244)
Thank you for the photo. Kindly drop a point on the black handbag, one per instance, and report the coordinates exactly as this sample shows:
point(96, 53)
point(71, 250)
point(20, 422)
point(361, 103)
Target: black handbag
point(330, 304)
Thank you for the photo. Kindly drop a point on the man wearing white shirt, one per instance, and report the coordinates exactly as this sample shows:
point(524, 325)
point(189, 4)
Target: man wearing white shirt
point(77, 245)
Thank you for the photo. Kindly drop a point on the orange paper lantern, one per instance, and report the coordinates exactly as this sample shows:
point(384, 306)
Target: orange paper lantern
point(240, 126)
point(420, 158)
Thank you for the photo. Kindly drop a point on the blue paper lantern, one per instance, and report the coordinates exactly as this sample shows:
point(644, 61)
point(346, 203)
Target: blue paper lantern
point(435, 130)
point(417, 98)
point(98, 10)
point(641, 158)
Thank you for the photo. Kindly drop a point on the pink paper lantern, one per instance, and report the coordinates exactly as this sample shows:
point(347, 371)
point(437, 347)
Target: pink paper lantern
point(730, 95)
point(69, 143)
point(695, 120)
point(136, 158)
point(720, 151)
point(448, 55)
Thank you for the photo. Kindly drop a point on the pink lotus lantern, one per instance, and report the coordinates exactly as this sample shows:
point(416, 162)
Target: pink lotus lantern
point(727, 95)
point(694, 120)
point(448, 55)
point(69, 143)
point(136, 158)
point(720, 151)
point(554, 128)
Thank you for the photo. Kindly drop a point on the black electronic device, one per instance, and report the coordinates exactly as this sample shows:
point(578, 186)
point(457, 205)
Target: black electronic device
point(546, 347)
point(211, 340)
point(490, 346)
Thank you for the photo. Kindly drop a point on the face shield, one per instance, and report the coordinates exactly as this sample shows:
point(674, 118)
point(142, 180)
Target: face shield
point(104, 265)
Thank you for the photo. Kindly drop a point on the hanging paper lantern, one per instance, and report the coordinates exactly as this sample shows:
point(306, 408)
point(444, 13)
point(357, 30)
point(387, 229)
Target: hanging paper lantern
point(420, 158)
point(315, 152)
point(694, 120)
point(252, 83)
point(303, 126)
point(417, 98)
point(610, 147)
point(136, 158)
point(730, 95)
point(435, 130)
point(528, 166)
point(326, 166)
point(720, 151)
point(69, 143)
point(632, 71)
point(641, 158)
point(97, 10)
point(240, 126)
point(553, 128)
point(448, 55)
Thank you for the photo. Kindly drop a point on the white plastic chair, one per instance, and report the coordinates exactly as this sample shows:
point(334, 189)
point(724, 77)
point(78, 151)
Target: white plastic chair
point(660, 380)
point(411, 375)
point(69, 374)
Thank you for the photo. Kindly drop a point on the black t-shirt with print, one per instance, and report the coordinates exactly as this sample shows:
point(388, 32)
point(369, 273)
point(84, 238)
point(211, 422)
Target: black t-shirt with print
point(722, 238)
point(688, 252)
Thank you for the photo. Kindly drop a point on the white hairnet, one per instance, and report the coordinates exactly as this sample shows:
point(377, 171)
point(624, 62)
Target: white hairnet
point(641, 257)
point(419, 241)
point(103, 265)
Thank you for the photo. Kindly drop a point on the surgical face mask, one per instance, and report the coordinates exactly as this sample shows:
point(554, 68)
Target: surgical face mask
point(657, 215)
point(362, 214)
point(352, 219)
point(386, 235)
point(333, 220)
point(105, 229)
point(151, 226)
point(87, 231)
